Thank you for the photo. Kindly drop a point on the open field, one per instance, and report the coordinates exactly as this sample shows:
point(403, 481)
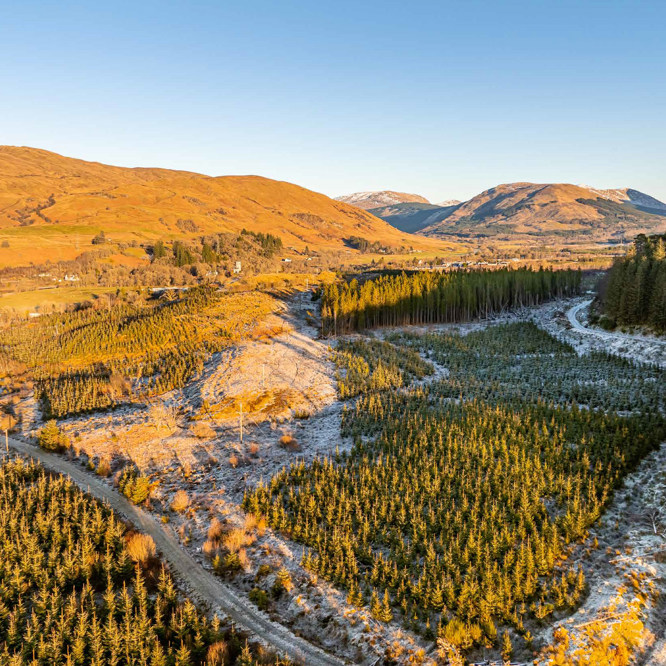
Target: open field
point(43, 299)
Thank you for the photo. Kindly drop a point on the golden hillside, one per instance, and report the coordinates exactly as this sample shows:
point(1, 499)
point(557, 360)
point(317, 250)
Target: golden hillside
point(52, 206)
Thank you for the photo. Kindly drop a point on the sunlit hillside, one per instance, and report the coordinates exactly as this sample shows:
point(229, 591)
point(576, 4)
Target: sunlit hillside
point(51, 207)
point(558, 212)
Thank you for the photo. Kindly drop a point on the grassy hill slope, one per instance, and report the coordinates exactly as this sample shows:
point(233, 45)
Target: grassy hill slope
point(52, 206)
point(520, 212)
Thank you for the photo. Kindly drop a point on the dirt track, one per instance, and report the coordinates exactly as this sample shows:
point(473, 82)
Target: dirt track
point(202, 584)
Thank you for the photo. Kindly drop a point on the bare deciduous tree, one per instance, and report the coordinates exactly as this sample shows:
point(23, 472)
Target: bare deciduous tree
point(655, 510)
point(164, 416)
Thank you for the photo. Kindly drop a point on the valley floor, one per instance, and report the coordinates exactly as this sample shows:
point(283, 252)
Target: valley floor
point(285, 386)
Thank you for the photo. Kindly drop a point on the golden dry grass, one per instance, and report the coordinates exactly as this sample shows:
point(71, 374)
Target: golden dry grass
point(43, 299)
point(268, 402)
point(180, 502)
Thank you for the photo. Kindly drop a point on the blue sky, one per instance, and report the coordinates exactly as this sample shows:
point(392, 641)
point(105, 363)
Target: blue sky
point(440, 98)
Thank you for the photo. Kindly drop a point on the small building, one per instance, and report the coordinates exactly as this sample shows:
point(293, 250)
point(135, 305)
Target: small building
point(286, 260)
point(72, 278)
point(237, 267)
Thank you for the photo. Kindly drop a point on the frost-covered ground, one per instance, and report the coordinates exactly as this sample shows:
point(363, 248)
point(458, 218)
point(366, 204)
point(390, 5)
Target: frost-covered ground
point(628, 549)
point(570, 320)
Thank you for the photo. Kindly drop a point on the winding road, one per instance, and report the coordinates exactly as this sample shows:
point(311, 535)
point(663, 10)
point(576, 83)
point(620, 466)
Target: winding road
point(201, 583)
point(572, 316)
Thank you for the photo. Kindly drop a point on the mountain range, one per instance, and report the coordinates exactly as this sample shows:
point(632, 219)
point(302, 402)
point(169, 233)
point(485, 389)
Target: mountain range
point(51, 207)
point(370, 200)
point(523, 211)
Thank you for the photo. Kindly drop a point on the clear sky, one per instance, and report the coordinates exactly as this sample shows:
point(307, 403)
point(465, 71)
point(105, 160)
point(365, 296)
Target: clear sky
point(440, 98)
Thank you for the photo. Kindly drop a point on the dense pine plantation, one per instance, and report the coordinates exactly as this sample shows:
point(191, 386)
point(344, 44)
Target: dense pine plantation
point(71, 594)
point(375, 365)
point(453, 510)
point(635, 293)
point(96, 359)
point(428, 297)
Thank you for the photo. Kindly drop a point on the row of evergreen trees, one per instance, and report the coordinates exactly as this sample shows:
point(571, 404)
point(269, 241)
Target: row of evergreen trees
point(428, 297)
point(635, 290)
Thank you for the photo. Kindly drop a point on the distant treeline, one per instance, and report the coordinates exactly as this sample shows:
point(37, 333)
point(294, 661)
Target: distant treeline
point(428, 297)
point(635, 293)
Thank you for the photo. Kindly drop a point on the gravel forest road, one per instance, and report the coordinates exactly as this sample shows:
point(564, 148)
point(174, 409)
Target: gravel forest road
point(572, 316)
point(200, 583)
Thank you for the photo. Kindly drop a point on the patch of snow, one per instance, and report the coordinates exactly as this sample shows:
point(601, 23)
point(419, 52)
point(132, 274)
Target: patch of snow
point(628, 195)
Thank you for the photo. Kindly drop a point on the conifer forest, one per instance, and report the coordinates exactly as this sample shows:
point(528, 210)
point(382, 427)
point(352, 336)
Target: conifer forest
point(435, 484)
point(78, 587)
point(635, 291)
point(94, 359)
point(454, 508)
point(425, 297)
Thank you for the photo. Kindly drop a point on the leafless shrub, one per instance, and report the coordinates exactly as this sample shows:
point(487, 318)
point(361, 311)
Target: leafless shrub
point(256, 524)
point(184, 532)
point(104, 467)
point(655, 511)
point(216, 530)
point(233, 460)
point(253, 449)
point(243, 559)
point(211, 548)
point(217, 654)
point(236, 539)
point(164, 416)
